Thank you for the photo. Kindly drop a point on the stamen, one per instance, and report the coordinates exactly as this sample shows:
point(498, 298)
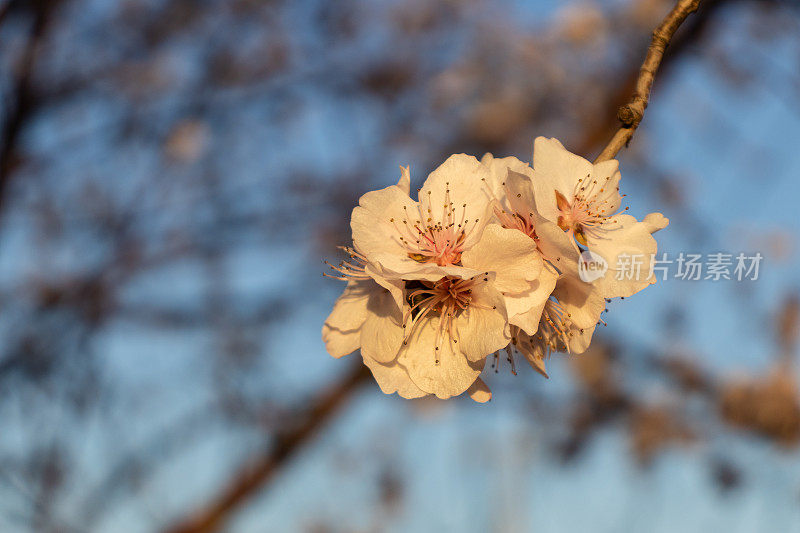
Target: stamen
point(555, 327)
point(349, 270)
point(590, 207)
point(436, 241)
point(446, 298)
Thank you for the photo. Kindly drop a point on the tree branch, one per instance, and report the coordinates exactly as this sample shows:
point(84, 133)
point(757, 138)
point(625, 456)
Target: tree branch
point(212, 516)
point(631, 114)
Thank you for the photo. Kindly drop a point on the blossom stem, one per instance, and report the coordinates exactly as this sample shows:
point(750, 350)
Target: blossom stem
point(631, 114)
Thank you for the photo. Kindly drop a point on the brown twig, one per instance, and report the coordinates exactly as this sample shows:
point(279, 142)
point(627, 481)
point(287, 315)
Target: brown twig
point(631, 114)
point(694, 30)
point(24, 99)
point(212, 516)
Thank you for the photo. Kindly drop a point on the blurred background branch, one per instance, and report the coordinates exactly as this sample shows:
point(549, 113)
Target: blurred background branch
point(23, 100)
point(288, 439)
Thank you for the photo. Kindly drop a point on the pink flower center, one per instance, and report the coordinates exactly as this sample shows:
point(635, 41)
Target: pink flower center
point(435, 235)
point(518, 221)
point(592, 204)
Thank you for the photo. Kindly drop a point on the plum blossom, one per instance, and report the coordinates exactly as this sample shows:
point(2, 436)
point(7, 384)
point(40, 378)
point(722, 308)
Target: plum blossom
point(485, 259)
point(569, 205)
point(422, 237)
point(583, 199)
point(439, 281)
point(568, 316)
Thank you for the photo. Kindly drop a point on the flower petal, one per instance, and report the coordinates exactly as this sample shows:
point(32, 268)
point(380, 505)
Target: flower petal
point(499, 170)
point(533, 350)
point(382, 332)
point(525, 308)
point(509, 253)
point(451, 376)
point(379, 221)
point(655, 222)
point(388, 280)
point(628, 248)
point(606, 195)
point(342, 329)
point(519, 192)
point(555, 169)
point(393, 378)
point(557, 247)
point(404, 184)
point(458, 184)
point(482, 328)
point(479, 391)
point(427, 271)
point(583, 302)
point(581, 339)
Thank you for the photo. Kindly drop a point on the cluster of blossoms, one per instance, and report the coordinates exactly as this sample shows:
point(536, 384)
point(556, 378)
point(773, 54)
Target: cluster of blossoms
point(485, 260)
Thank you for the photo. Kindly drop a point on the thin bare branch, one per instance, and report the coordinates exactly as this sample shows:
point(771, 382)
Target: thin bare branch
point(631, 114)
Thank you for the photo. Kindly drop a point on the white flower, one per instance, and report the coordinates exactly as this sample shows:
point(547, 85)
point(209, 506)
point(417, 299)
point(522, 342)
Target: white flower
point(486, 258)
point(514, 207)
point(446, 279)
point(365, 316)
point(565, 319)
point(434, 342)
point(584, 200)
point(421, 238)
point(566, 203)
